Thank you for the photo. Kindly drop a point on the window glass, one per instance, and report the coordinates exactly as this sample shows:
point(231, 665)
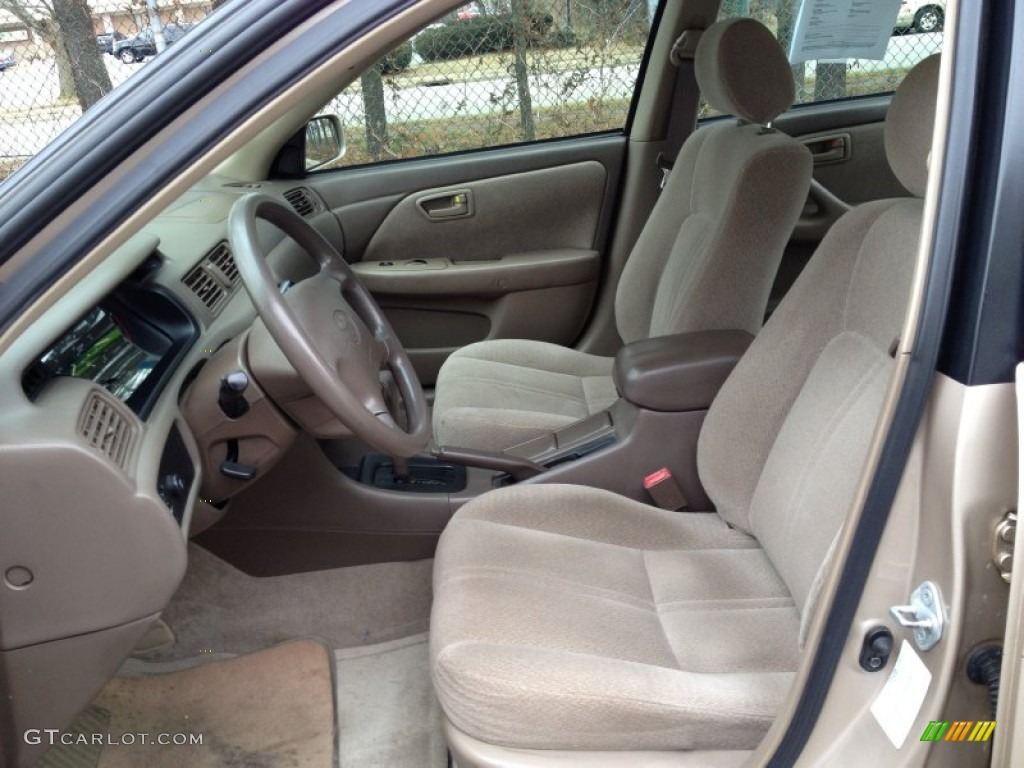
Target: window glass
point(917, 34)
point(498, 72)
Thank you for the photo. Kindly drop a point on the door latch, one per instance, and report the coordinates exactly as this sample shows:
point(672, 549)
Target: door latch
point(924, 615)
point(452, 204)
point(1003, 544)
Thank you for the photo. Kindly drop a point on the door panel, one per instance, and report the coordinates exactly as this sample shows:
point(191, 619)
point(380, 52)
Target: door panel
point(531, 211)
point(501, 243)
point(861, 171)
point(846, 139)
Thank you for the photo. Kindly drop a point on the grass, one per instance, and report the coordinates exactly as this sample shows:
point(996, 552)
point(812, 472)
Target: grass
point(419, 138)
point(490, 66)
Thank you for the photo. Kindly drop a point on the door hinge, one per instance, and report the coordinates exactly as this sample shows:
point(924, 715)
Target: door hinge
point(1003, 544)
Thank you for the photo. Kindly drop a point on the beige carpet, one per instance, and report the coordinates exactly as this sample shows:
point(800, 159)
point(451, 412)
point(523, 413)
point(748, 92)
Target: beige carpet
point(220, 609)
point(388, 715)
point(262, 710)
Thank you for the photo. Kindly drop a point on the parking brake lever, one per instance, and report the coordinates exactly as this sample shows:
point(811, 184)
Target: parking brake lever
point(516, 466)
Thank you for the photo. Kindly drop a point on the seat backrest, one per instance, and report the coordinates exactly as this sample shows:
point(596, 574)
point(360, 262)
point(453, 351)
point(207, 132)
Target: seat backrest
point(785, 441)
point(708, 255)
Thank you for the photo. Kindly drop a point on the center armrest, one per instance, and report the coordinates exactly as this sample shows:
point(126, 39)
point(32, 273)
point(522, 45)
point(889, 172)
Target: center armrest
point(681, 372)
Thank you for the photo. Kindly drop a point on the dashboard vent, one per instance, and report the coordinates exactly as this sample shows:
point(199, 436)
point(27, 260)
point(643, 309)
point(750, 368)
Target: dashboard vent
point(107, 429)
point(214, 278)
point(220, 258)
point(207, 287)
point(302, 200)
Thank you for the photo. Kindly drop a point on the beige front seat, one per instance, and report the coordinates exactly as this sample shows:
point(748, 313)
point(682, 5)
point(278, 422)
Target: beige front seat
point(572, 618)
point(705, 260)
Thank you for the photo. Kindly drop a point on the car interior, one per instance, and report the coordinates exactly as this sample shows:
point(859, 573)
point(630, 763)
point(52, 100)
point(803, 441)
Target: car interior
point(510, 457)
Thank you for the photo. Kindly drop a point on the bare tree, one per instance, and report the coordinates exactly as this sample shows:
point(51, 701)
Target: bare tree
point(66, 26)
point(91, 79)
point(374, 108)
point(521, 28)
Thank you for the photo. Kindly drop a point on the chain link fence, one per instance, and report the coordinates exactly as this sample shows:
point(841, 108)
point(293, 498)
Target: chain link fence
point(58, 57)
point(492, 72)
point(498, 72)
point(916, 35)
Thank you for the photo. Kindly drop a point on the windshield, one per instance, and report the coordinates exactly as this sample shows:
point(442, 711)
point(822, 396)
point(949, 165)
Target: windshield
point(58, 60)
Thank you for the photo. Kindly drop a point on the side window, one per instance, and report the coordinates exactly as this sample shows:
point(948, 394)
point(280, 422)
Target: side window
point(498, 72)
point(916, 34)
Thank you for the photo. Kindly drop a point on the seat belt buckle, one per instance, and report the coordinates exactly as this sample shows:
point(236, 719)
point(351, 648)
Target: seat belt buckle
point(665, 167)
point(664, 490)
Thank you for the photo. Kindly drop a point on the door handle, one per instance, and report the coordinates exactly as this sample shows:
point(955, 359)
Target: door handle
point(451, 204)
point(829, 149)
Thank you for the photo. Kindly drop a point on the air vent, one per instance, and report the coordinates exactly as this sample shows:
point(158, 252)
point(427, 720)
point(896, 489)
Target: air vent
point(107, 429)
point(302, 200)
point(214, 278)
point(220, 258)
point(205, 286)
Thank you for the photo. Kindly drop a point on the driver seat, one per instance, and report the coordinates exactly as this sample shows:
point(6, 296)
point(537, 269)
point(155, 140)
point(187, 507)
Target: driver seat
point(705, 260)
point(571, 618)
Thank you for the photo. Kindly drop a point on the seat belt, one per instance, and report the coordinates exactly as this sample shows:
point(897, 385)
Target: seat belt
point(682, 119)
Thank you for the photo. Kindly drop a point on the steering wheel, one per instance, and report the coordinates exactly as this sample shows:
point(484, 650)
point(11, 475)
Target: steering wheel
point(331, 330)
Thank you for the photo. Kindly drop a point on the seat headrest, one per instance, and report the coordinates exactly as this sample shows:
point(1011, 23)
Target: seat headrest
point(742, 70)
point(909, 124)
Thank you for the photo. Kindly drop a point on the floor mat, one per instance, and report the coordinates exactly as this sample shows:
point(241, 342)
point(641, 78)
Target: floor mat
point(270, 708)
point(219, 608)
point(388, 714)
point(84, 750)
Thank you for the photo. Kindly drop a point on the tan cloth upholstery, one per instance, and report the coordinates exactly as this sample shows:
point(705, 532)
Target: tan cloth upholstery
point(743, 71)
point(705, 260)
point(496, 394)
point(908, 135)
point(568, 617)
point(572, 618)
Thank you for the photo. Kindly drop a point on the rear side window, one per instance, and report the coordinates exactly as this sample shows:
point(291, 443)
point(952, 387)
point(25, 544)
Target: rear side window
point(495, 73)
point(917, 32)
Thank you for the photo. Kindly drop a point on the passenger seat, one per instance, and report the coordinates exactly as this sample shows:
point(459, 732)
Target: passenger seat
point(705, 260)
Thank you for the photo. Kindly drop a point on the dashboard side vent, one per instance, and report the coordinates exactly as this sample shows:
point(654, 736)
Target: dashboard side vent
point(107, 429)
point(220, 258)
point(302, 200)
point(214, 278)
point(205, 286)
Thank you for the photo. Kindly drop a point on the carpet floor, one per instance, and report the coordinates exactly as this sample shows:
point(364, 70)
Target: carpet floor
point(219, 609)
point(388, 714)
point(375, 617)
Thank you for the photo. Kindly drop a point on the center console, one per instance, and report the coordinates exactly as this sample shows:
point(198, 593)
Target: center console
point(335, 504)
point(666, 386)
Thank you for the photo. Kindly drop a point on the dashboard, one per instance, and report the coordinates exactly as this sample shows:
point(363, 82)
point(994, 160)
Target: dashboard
point(118, 376)
point(111, 434)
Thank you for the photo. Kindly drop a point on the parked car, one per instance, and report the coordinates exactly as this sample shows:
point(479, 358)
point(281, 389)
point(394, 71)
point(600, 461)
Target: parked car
point(132, 50)
point(7, 61)
point(106, 41)
point(921, 16)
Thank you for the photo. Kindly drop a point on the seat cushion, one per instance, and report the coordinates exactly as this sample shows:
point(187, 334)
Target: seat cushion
point(572, 618)
point(495, 394)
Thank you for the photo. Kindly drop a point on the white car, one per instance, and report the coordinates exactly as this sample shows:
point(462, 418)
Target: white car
point(921, 16)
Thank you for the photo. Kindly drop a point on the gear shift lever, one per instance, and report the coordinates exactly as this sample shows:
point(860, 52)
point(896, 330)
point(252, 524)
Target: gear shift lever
point(400, 470)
